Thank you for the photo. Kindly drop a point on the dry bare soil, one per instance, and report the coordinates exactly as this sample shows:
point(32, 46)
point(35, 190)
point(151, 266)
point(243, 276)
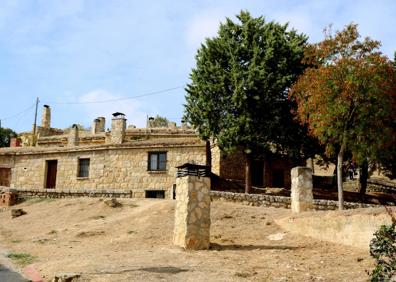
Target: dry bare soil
point(134, 243)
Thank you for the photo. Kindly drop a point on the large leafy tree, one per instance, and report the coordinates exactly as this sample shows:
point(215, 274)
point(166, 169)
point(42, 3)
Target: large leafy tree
point(5, 136)
point(238, 89)
point(347, 97)
point(387, 156)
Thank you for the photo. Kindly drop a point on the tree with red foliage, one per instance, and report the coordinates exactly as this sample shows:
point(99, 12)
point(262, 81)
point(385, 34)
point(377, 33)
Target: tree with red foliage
point(347, 97)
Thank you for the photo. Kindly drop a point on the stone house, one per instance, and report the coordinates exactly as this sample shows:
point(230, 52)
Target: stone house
point(142, 160)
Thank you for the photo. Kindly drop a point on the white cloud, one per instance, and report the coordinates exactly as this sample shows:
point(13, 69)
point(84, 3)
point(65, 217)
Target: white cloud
point(130, 107)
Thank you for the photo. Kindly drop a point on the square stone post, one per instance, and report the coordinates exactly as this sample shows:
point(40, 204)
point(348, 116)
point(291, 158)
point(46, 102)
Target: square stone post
point(192, 213)
point(301, 189)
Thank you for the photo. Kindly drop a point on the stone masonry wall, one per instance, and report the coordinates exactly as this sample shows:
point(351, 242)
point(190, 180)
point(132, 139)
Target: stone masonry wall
point(111, 168)
point(279, 201)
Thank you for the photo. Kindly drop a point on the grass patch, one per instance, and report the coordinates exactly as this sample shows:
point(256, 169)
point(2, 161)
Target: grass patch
point(21, 258)
point(131, 232)
point(15, 241)
point(53, 232)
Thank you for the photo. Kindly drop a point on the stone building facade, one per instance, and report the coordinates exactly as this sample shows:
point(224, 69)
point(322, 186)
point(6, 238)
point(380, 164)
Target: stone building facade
point(140, 160)
point(270, 173)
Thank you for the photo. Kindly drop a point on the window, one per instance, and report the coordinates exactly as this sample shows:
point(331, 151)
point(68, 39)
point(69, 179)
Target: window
point(157, 161)
point(83, 168)
point(156, 194)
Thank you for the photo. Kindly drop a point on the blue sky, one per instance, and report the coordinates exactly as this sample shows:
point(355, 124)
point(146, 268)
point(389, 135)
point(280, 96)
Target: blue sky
point(85, 51)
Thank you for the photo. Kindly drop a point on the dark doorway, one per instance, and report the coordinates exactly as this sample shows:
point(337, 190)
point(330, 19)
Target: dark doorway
point(52, 167)
point(5, 177)
point(257, 173)
point(278, 178)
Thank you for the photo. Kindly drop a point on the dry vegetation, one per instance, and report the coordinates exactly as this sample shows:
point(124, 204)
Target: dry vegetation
point(134, 243)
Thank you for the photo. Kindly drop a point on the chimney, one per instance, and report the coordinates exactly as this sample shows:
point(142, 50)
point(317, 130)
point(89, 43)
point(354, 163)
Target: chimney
point(102, 123)
point(118, 126)
point(151, 122)
point(72, 139)
point(95, 126)
point(15, 142)
point(46, 117)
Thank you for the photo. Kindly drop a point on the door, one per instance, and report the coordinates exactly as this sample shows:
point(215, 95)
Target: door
point(5, 177)
point(278, 178)
point(257, 173)
point(51, 174)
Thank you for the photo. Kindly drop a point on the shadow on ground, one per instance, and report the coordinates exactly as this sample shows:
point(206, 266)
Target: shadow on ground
point(218, 247)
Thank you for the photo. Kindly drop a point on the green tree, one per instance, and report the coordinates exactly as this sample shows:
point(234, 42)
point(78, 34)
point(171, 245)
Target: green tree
point(238, 89)
point(347, 97)
point(5, 136)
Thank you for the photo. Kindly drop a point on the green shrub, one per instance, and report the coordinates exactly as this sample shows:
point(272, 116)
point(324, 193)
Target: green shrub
point(383, 250)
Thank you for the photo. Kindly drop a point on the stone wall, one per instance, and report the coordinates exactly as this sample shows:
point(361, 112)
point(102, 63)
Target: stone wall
point(279, 201)
point(71, 193)
point(110, 168)
point(373, 185)
point(352, 228)
point(377, 185)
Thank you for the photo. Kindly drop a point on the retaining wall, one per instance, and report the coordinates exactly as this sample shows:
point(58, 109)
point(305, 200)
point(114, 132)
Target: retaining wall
point(279, 201)
point(64, 193)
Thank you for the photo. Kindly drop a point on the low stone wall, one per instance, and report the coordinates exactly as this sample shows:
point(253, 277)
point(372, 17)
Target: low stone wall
point(279, 201)
point(377, 185)
point(373, 185)
point(58, 193)
point(351, 228)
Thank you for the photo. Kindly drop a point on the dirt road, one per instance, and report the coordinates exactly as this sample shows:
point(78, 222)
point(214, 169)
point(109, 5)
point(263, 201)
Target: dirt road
point(134, 243)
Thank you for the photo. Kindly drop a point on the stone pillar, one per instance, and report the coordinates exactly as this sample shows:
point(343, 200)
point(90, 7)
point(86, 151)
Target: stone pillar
point(72, 139)
point(215, 158)
point(118, 127)
point(192, 214)
point(301, 189)
point(46, 117)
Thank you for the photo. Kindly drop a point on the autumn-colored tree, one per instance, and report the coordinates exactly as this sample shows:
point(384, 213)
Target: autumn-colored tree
point(346, 96)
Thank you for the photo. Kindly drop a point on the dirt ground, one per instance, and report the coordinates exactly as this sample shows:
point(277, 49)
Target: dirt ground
point(134, 243)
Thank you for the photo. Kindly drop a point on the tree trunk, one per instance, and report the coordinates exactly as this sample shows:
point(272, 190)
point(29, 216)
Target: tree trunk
point(208, 155)
point(363, 178)
point(248, 173)
point(340, 160)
